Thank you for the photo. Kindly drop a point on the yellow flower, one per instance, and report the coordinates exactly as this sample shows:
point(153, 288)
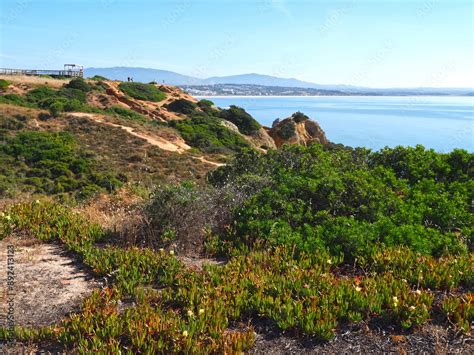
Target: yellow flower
point(329, 261)
point(171, 252)
point(418, 292)
point(185, 333)
point(395, 299)
point(190, 313)
point(201, 311)
point(8, 217)
point(37, 201)
point(358, 289)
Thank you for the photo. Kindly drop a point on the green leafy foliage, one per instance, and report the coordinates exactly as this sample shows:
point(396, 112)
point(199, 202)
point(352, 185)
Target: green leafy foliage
point(50, 163)
point(243, 120)
point(78, 84)
point(126, 113)
point(14, 99)
point(286, 129)
point(68, 98)
point(299, 117)
point(142, 91)
point(209, 134)
point(352, 202)
point(206, 105)
point(98, 78)
point(4, 84)
point(182, 106)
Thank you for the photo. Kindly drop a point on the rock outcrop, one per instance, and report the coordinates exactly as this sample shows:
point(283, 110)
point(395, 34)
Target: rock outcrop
point(297, 130)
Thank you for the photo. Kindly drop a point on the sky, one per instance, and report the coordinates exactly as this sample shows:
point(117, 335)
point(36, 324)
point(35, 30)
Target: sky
point(404, 43)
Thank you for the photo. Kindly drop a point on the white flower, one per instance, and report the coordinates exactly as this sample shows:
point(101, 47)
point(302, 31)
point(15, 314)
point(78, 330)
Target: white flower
point(329, 261)
point(190, 313)
point(412, 308)
point(37, 201)
point(162, 250)
point(185, 333)
point(171, 252)
point(418, 292)
point(201, 311)
point(358, 289)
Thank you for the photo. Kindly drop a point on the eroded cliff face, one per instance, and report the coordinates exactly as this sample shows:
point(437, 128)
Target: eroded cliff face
point(291, 131)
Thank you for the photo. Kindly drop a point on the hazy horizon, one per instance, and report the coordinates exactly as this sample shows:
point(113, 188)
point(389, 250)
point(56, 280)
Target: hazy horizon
point(282, 77)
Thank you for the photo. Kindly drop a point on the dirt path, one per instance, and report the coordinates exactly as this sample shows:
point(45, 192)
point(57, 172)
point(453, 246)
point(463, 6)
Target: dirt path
point(48, 283)
point(159, 142)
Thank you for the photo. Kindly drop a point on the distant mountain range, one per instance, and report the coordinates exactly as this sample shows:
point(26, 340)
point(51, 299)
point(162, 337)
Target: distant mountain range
point(168, 77)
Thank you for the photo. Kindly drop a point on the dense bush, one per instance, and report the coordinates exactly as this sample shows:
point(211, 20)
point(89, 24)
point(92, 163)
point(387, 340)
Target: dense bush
point(4, 84)
point(182, 106)
point(286, 129)
point(99, 78)
point(351, 202)
point(79, 84)
point(68, 98)
point(51, 163)
point(15, 99)
point(299, 117)
point(126, 113)
point(244, 121)
point(208, 134)
point(142, 91)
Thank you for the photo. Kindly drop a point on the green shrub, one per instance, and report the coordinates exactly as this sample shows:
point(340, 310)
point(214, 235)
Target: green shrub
point(182, 106)
point(351, 202)
point(72, 94)
point(142, 91)
point(15, 99)
point(78, 84)
point(244, 121)
point(208, 134)
point(126, 113)
point(4, 84)
point(286, 130)
point(55, 108)
point(51, 163)
point(98, 78)
point(41, 93)
point(299, 117)
point(206, 106)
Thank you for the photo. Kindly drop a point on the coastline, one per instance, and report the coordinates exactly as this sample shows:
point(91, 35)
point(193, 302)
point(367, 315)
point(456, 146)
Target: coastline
point(312, 96)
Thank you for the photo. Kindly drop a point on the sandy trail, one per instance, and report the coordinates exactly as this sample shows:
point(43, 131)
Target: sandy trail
point(159, 142)
point(48, 284)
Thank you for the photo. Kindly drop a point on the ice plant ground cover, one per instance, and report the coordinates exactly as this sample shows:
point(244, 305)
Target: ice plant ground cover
point(180, 310)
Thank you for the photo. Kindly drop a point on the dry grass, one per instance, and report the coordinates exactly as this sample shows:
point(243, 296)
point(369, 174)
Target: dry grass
point(34, 80)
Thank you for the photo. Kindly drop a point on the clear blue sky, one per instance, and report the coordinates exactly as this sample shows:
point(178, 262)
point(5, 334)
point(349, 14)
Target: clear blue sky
point(371, 43)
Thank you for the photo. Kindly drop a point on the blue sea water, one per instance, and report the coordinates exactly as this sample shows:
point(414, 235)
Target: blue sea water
point(441, 123)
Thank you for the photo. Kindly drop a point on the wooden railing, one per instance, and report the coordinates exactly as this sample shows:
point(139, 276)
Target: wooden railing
point(38, 72)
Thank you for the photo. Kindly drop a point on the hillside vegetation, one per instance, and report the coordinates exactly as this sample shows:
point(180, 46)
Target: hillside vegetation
point(309, 240)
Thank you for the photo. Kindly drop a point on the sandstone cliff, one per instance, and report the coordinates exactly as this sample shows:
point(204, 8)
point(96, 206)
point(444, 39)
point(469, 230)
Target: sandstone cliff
point(297, 129)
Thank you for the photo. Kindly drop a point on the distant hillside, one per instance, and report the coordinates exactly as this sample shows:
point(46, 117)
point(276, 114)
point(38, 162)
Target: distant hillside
point(144, 75)
point(171, 78)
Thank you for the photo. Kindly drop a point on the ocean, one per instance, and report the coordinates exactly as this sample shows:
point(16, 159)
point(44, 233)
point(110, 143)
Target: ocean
point(441, 123)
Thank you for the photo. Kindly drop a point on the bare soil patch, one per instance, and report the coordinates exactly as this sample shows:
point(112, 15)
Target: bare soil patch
point(49, 283)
